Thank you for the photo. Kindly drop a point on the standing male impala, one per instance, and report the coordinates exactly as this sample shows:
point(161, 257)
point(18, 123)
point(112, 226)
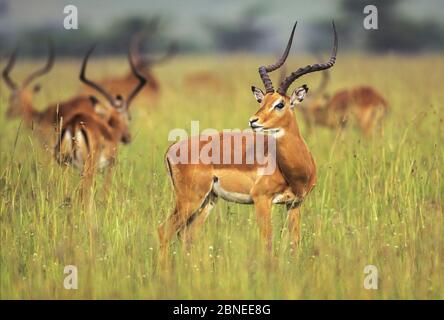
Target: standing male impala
point(198, 185)
point(90, 140)
point(21, 99)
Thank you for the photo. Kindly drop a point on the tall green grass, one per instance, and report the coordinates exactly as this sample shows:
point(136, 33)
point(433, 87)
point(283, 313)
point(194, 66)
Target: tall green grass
point(378, 201)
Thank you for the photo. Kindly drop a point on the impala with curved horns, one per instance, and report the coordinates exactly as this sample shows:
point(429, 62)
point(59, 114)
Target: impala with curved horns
point(144, 65)
point(21, 99)
point(89, 141)
point(197, 185)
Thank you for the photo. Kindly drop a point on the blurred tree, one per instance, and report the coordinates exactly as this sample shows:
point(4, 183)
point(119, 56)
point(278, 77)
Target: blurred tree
point(114, 40)
point(396, 32)
point(241, 33)
point(120, 33)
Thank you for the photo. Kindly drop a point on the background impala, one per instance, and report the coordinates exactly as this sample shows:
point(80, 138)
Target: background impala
point(89, 140)
point(21, 100)
point(363, 106)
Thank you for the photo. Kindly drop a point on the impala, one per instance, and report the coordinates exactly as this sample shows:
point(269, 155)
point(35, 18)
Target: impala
point(363, 103)
point(124, 84)
point(21, 99)
point(203, 81)
point(89, 141)
point(198, 185)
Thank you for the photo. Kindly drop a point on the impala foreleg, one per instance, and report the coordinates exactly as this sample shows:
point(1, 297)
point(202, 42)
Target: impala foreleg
point(262, 207)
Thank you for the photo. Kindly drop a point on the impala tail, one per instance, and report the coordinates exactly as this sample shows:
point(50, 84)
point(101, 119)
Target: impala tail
point(72, 145)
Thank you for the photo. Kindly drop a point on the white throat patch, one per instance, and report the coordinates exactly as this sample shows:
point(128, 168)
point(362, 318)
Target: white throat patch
point(279, 133)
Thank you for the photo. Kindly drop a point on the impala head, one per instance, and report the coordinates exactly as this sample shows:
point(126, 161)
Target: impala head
point(20, 99)
point(276, 110)
point(116, 112)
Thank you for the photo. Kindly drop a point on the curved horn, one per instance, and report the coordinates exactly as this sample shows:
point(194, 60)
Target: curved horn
point(263, 71)
point(325, 79)
point(282, 74)
point(45, 69)
point(11, 84)
point(135, 44)
point(91, 83)
point(139, 86)
point(172, 50)
point(311, 68)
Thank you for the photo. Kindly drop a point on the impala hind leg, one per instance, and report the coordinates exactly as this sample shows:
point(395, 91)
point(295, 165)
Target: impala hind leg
point(196, 221)
point(87, 182)
point(185, 210)
point(382, 111)
point(367, 120)
point(108, 180)
point(294, 225)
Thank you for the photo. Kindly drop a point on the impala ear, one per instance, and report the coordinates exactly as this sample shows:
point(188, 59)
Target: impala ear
point(258, 94)
point(298, 95)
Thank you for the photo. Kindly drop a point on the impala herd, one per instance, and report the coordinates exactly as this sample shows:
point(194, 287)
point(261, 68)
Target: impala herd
point(87, 129)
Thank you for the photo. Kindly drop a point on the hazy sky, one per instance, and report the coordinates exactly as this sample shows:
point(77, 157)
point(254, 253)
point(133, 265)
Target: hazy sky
point(185, 16)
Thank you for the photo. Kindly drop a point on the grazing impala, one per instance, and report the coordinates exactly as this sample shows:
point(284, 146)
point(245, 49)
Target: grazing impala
point(89, 141)
point(199, 184)
point(367, 106)
point(126, 83)
point(21, 100)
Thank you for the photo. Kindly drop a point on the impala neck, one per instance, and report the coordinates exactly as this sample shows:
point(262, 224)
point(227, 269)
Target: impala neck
point(295, 160)
point(28, 112)
point(151, 81)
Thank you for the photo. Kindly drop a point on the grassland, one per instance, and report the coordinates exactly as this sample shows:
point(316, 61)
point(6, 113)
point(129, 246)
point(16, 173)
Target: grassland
point(378, 201)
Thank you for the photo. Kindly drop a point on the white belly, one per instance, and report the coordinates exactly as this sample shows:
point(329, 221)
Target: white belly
point(245, 198)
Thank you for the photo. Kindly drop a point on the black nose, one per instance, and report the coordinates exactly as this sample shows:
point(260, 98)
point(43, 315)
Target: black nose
point(252, 121)
point(126, 139)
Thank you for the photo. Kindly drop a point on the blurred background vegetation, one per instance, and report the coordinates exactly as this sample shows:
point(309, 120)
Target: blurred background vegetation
point(200, 26)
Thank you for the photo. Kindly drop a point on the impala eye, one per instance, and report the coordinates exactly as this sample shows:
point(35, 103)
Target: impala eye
point(279, 105)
